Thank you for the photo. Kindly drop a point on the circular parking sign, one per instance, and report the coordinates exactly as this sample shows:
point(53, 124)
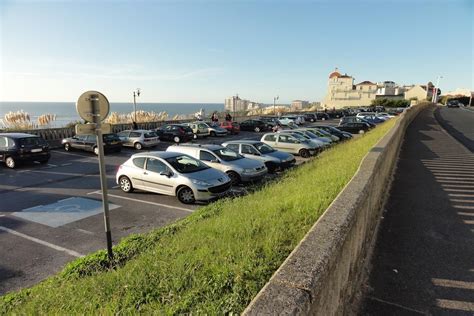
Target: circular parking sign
point(91, 104)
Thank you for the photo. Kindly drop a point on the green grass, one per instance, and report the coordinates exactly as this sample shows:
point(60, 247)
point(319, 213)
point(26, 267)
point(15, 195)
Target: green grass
point(212, 262)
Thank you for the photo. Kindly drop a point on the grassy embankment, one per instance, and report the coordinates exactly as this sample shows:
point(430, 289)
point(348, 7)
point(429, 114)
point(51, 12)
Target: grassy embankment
point(214, 261)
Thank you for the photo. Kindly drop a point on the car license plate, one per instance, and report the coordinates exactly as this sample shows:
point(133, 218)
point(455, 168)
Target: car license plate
point(36, 150)
point(114, 143)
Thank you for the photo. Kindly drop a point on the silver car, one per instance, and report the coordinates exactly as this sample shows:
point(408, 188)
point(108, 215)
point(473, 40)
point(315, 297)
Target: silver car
point(237, 167)
point(139, 138)
point(254, 149)
point(216, 130)
point(291, 143)
point(173, 174)
point(325, 141)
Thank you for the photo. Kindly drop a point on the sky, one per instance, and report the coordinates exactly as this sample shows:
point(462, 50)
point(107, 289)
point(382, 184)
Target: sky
point(205, 51)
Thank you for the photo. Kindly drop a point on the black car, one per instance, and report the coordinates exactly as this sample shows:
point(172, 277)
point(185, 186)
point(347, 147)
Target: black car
point(334, 131)
point(254, 125)
point(271, 121)
point(355, 119)
point(89, 143)
point(354, 127)
point(177, 133)
point(19, 147)
point(452, 104)
point(321, 116)
point(310, 117)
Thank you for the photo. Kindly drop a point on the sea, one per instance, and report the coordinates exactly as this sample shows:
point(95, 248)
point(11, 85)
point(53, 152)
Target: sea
point(66, 111)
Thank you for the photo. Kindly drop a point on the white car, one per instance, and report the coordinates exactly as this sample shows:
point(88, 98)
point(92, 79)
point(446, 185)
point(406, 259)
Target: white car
point(173, 174)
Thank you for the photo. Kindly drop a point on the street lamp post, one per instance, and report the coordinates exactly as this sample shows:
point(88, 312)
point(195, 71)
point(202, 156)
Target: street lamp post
point(274, 100)
point(434, 99)
point(135, 95)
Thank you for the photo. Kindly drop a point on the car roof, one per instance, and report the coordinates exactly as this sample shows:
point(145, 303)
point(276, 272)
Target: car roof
point(136, 130)
point(159, 154)
point(205, 146)
point(243, 141)
point(18, 135)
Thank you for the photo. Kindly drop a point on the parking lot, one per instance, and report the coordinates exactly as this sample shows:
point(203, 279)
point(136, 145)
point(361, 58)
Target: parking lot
point(51, 214)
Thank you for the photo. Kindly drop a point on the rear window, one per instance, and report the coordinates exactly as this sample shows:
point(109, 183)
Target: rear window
point(111, 137)
point(139, 162)
point(31, 141)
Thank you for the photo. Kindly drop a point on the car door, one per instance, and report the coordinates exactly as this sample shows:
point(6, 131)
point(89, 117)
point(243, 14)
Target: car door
point(3, 147)
point(124, 138)
point(288, 143)
point(210, 159)
point(248, 151)
point(153, 178)
point(78, 142)
point(90, 142)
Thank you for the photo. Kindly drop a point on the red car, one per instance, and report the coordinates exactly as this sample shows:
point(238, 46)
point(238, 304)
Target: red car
point(232, 127)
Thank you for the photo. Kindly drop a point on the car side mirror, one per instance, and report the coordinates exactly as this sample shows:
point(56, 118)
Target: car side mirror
point(166, 173)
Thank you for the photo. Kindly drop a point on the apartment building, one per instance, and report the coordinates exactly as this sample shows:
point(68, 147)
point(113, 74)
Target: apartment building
point(298, 105)
point(342, 92)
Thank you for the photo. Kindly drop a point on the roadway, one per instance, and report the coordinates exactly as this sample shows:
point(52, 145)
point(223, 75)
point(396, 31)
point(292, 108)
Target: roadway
point(52, 214)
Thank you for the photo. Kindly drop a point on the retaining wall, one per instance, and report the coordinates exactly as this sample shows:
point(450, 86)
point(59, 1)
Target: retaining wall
point(324, 274)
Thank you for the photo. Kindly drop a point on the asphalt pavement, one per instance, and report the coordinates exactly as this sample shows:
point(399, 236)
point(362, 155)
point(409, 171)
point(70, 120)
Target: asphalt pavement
point(423, 262)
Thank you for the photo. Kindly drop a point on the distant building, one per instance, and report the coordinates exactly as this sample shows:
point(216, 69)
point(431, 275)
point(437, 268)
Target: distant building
point(420, 92)
point(297, 105)
point(389, 90)
point(343, 93)
point(236, 104)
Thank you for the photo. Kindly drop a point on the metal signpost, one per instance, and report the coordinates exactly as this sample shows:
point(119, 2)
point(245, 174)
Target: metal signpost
point(94, 107)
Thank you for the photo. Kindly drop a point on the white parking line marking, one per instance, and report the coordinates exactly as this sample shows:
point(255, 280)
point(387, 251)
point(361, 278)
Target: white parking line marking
point(66, 164)
point(85, 231)
point(42, 242)
point(71, 154)
point(146, 202)
point(95, 192)
point(51, 165)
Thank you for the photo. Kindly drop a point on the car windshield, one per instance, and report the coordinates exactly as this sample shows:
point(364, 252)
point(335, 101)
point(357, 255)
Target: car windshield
point(311, 134)
point(299, 137)
point(186, 164)
point(227, 154)
point(111, 137)
point(264, 148)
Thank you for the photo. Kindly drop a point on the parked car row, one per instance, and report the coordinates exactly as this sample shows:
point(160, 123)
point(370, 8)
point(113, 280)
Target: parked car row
point(183, 170)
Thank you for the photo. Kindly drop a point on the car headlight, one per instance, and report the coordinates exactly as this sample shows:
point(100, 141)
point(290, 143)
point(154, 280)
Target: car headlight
point(200, 182)
point(248, 171)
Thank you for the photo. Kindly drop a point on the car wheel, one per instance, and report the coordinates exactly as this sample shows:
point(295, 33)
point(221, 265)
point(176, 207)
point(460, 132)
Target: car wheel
point(10, 162)
point(213, 134)
point(138, 146)
point(257, 129)
point(176, 139)
point(125, 184)
point(361, 131)
point(67, 147)
point(185, 195)
point(234, 177)
point(96, 150)
point(304, 153)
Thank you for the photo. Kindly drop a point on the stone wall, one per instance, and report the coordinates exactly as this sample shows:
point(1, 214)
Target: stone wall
point(324, 273)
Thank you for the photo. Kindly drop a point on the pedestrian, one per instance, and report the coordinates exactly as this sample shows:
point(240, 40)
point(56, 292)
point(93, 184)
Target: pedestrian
point(228, 118)
point(134, 125)
point(214, 118)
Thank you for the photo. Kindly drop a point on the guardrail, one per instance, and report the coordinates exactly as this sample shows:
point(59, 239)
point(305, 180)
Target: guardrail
point(324, 273)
